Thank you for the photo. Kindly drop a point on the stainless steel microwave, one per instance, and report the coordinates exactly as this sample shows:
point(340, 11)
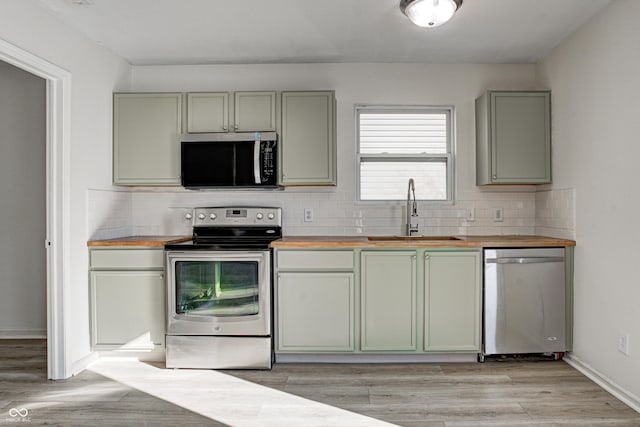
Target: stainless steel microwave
point(229, 160)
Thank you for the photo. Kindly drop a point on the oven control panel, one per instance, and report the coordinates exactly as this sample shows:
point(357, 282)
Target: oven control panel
point(237, 215)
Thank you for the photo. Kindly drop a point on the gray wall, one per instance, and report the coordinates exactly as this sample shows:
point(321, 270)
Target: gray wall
point(22, 203)
point(593, 76)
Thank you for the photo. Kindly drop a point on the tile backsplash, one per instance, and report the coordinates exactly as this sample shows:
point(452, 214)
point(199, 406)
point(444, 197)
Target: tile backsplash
point(555, 213)
point(162, 212)
point(109, 214)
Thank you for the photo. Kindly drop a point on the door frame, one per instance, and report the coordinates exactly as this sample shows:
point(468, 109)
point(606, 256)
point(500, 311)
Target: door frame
point(57, 240)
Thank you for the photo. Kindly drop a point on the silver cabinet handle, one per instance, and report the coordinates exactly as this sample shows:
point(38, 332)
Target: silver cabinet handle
point(256, 159)
point(528, 260)
point(426, 256)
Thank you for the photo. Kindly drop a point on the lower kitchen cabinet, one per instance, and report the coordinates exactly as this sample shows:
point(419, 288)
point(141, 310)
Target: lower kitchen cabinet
point(315, 311)
point(388, 301)
point(127, 291)
point(372, 301)
point(452, 301)
point(315, 301)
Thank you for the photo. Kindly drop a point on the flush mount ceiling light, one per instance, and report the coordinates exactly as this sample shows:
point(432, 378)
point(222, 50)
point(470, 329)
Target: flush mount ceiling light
point(429, 13)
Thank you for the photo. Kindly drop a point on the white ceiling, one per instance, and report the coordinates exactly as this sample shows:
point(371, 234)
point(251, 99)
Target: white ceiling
point(146, 32)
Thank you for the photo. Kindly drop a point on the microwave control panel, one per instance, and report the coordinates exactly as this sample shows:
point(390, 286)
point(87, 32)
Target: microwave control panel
point(268, 161)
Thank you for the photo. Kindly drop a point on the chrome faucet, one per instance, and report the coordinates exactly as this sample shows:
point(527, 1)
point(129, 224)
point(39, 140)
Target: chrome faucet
point(412, 209)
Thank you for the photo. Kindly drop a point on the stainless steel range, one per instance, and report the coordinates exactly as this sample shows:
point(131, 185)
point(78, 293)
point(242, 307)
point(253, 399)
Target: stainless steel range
point(219, 289)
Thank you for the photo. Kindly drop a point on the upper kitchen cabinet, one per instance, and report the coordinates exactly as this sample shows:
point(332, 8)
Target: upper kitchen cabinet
point(513, 137)
point(248, 111)
point(308, 142)
point(146, 138)
point(208, 112)
point(254, 111)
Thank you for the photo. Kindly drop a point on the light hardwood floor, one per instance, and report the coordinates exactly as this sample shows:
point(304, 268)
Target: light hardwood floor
point(132, 393)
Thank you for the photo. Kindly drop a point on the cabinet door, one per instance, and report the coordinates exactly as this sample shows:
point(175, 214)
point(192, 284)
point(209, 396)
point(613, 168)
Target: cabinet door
point(452, 320)
point(146, 138)
point(513, 138)
point(315, 312)
point(307, 149)
point(208, 112)
point(255, 111)
point(521, 137)
point(127, 310)
point(388, 301)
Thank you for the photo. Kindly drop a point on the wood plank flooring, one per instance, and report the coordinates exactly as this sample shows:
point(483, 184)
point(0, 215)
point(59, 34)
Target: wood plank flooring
point(132, 393)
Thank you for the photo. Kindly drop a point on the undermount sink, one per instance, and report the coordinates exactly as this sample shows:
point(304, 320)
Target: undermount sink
point(409, 238)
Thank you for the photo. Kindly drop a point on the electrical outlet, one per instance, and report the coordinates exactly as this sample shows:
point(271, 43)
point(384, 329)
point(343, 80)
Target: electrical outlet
point(498, 215)
point(623, 343)
point(471, 214)
point(308, 215)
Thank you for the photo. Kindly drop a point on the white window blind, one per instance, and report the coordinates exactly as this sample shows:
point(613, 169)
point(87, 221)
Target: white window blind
point(395, 144)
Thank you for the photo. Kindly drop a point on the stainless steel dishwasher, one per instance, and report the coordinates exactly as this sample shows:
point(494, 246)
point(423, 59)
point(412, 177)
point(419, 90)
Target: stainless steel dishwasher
point(524, 301)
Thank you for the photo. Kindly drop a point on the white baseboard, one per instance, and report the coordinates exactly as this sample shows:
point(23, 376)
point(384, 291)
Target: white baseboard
point(82, 364)
point(603, 381)
point(23, 334)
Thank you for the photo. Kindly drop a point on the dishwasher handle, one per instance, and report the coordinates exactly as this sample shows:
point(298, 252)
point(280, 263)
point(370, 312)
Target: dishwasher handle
point(525, 260)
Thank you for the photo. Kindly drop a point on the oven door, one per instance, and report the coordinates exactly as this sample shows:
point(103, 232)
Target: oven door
point(219, 293)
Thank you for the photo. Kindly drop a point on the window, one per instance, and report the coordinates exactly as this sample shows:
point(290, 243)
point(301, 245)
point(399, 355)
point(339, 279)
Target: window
point(398, 143)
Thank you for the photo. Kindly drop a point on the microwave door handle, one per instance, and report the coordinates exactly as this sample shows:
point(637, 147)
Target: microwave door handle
point(256, 158)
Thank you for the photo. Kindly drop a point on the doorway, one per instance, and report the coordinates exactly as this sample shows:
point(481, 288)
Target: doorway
point(23, 208)
point(57, 188)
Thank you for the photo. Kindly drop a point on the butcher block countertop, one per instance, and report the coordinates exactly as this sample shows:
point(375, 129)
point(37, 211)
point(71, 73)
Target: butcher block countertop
point(139, 241)
point(330, 242)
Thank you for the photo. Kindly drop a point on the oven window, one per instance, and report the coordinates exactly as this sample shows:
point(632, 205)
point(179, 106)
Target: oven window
point(217, 288)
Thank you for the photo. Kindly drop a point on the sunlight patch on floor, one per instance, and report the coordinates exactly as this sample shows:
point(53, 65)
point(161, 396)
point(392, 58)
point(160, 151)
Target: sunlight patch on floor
point(228, 399)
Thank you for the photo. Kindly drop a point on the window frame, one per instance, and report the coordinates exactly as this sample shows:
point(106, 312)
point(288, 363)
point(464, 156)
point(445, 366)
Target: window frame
point(448, 157)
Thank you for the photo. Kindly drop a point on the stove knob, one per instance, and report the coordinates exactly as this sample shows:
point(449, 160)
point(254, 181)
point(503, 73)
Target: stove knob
point(188, 216)
point(201, 216)
point(213, 216)
point(259, 215)
point(271, 216)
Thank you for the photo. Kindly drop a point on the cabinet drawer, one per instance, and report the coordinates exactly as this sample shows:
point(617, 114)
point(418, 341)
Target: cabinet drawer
point(126, 258)
point(315, 260)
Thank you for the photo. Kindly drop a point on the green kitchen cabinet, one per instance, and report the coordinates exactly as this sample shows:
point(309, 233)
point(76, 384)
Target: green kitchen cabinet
point(207, 112)
point(316, 311)
point(308, 138)
point(378, 301)
point(513, 137)
point(388, 301)
point(452, 301)
point(255, 111)
point(146, 138)
point(314, 301)
point(127, 298)
point(246, 111)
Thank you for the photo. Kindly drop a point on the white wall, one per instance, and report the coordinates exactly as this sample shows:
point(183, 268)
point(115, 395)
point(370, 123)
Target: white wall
point(22, 211)
point(95, 74)
point(335, 209)
point(595, 84)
